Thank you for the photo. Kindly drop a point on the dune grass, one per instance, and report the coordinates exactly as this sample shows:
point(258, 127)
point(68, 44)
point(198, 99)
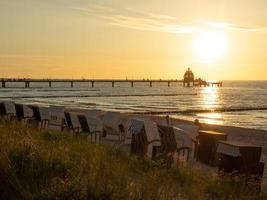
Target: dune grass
point(52, 165)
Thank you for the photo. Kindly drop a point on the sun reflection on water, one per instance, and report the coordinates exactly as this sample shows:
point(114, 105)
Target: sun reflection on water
point(210, 100)
point(210, 97)
point(211, 118)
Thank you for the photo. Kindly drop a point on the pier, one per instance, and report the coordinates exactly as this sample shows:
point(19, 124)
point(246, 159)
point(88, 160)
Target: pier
point(187, 81)
point(113, 82)
point(92, 82)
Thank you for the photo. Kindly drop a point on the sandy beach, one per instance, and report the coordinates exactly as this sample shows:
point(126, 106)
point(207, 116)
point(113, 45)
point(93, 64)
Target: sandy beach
point(246, 135)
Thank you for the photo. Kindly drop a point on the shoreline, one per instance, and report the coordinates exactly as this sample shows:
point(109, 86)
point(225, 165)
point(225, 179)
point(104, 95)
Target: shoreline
point(205, 126)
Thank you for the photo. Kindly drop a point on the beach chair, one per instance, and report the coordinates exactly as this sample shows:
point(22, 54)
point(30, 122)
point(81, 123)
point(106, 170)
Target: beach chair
point(24, 113)
point(185, 145)
point(112, 126)
point(242, 162)
point(94, 113)
point(2, 109)
point(176, 145)
point(191, 130)
point(41, 116)
point(57, 118)
point(128, 123)
point(183, 138)
point(72, 122)
point(207, 146)
point(44, 117)
point(8, 110)
point(27, 114)
point(93, 127)
point(145, 138)
point(138, 138)
point(153, 137)
point(19, 111)
point(168, 147)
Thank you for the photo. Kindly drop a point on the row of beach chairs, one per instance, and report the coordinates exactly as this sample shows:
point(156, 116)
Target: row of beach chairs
point(54, 118)
point(145, 137)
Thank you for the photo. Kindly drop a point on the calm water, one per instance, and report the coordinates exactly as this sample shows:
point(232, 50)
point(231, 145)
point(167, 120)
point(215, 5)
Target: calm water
point(193, 102)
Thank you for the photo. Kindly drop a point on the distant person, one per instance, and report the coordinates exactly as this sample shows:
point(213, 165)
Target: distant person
point(167, 119)
point(197, 123)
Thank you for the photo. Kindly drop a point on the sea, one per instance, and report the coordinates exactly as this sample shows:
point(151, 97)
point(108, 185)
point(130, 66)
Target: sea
point(237, 103)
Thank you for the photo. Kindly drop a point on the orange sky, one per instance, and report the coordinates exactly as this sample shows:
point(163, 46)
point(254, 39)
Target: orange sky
point(133, 39)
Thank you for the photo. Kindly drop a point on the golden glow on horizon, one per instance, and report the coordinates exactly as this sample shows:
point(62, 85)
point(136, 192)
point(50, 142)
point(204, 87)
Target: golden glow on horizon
point(210, 46)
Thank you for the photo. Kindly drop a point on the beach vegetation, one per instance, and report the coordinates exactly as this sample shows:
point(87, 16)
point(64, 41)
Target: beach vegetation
point(42, 164)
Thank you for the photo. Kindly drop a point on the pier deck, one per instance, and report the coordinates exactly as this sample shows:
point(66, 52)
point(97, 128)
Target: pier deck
point(93, 81)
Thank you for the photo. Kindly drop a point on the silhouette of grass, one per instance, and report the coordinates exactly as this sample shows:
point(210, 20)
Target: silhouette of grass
point(53, 165)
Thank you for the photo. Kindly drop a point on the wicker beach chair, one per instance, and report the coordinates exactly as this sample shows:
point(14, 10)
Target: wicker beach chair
point(72, 122)
point(185, 145)
point(57, 118)
point(27, 114)
point(128, 123)
point(24, 113)
point(93, 127)
point(44, 117)
point(113, 128)
point(242, 162)
point(8, 110)
point(94, 113)
point(41, 116)
point(145, 138)
point(168, 147)
point(191, 130)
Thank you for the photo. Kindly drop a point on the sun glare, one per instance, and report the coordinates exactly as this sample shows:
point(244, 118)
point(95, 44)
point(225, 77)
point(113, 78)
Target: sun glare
point(210, 46)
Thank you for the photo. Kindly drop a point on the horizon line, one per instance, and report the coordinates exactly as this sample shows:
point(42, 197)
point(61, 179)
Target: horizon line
point(124, 79)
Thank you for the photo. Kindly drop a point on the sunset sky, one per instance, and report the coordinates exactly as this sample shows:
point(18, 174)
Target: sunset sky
point(218, 39)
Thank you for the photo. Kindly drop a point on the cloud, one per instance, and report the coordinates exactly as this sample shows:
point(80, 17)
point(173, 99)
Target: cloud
point(227, 26)
point(6, 58)
point(137, 20)
point(133, 19)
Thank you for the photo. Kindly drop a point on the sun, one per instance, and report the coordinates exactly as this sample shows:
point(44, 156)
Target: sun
point(210, 46)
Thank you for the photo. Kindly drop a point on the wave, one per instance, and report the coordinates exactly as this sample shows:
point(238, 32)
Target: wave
point(49, 90)
point(88, 96)
point(192, 111)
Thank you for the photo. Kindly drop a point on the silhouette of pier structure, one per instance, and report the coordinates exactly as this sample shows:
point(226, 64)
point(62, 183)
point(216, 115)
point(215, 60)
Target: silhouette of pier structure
point(188, 81)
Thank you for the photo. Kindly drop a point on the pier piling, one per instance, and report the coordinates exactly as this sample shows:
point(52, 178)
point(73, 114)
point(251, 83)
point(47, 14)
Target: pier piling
point(3, 84)
point(27, 84)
